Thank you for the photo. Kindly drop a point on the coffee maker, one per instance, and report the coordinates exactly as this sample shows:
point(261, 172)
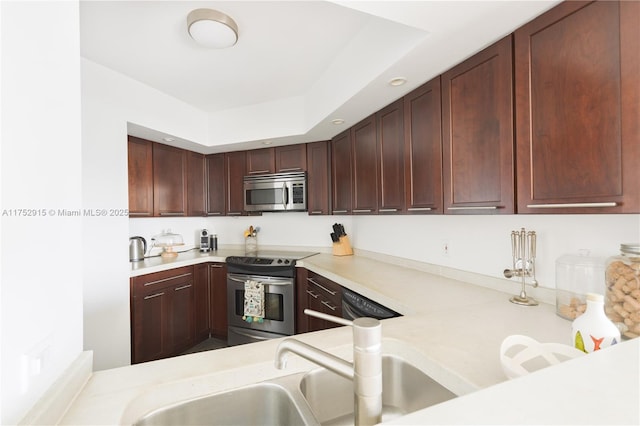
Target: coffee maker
point(205, 244)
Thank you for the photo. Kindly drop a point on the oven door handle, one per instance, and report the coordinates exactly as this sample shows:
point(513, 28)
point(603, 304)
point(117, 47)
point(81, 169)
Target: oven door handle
point(262, 279)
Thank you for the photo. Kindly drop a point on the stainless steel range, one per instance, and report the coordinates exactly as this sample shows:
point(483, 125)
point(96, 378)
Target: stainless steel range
point(275, 272)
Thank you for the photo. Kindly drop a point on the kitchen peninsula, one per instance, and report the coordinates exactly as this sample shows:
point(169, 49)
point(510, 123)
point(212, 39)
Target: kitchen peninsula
point(451, 329)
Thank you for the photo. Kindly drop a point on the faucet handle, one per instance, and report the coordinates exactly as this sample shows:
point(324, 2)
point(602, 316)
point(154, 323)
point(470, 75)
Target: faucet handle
point(327, 317)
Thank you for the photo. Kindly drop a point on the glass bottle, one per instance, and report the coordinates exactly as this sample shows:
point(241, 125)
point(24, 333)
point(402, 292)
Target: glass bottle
point(592, 330)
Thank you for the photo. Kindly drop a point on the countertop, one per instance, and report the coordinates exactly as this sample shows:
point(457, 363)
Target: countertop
point(451, 329)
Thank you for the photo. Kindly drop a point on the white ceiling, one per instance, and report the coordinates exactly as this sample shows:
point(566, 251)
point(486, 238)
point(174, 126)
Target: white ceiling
point(297, 64)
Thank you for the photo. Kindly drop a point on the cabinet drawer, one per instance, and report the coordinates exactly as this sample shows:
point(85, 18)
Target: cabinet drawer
point(326, 291)
point(144, 284)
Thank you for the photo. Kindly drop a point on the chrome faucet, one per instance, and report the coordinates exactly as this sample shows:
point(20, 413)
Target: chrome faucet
point(365, 371)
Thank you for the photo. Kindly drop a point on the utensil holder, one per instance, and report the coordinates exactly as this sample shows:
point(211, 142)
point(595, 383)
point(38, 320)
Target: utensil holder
point(342, 247)
point(250, 245)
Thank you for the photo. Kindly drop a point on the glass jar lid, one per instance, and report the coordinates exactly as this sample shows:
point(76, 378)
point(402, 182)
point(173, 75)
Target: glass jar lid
point(628, 248)
point(167, 239)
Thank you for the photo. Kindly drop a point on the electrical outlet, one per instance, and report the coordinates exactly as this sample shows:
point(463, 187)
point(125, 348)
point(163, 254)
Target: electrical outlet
point(445, 248)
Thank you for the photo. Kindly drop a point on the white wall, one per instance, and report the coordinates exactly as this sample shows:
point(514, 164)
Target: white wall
point(41, 301)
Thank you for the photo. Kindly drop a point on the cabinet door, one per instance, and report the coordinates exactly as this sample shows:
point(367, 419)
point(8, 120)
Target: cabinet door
point(302, 301)
point(150, 338)
point(261, 161)
point(218, 299)
point(477, 116)
point(181, 317)
point(318, 178)
point(195, 184)
point(216, 185)
point(341, 173)
point(390, 143)
point(291, 158)
point(235, 163)
point(423, 149)
point(169, 181)
point(201, 290)
point(578, 109)
point(365, 167)
point(140, 163)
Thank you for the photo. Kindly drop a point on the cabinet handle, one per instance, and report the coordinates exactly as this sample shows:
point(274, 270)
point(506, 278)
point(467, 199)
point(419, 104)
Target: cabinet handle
point(562, 206)
point(316, 212)
point(290, 169)
point(151, 296)
point(329, 305)
point(387, 210)
point(340, 211)
point(216, 266)
point(473, 208)
point(419, 209)
point(171, 213)
point(333, 293)
point(214, 213)
point(183, 287)
point(312, 294)
point(167, 279)
point(234, 213)
point(259, 172)
point(362, 210)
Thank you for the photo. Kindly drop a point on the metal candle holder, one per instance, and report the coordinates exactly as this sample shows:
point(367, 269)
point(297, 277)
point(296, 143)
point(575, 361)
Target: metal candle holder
point(523, 253)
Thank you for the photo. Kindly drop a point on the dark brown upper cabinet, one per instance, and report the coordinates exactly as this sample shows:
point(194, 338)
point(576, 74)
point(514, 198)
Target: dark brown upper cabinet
point(423, 149)
point(196, 184)
point(341, 173)
point(140, 164)
point(260, 161)
point(390, 134)
point(235, 163)
point(169, 181)
point(478, 141)
point(291, 158)
point(577, 75)
point(319, 178)
point(216, 185)
point(365, 167)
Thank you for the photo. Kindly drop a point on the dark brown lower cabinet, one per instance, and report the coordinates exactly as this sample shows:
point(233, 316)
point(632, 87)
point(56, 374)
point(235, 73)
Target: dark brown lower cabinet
point(322, 295)
point(218, 299)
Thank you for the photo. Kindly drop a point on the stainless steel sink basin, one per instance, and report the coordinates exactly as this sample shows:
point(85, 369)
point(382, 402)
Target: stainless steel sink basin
point(267, 403)
point(404, 389)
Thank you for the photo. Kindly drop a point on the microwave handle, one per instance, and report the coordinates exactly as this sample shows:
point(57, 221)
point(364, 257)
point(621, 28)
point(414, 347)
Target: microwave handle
point(285, 195)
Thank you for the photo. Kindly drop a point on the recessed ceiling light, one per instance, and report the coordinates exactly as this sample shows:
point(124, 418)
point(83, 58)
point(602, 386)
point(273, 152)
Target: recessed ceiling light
point(337, 121)
point(168, 139)
point(397, 81)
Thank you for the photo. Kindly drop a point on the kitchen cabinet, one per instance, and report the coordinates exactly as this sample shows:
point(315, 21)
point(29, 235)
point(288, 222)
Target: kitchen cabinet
point(341, 173)
point(323, 295)
point(260, 161)
point(365, 167)
point(577, 83)
point(169, 181)
point(140, 165)
point(162, 314)
point(423, 149)
point(216, 185)
point(390, 145)
point(478, 141)
point(218, 299)
point(201, 300)
point(319, 178)
point(291, 158)
point(196, 184)
point(302, 301)
point(235, 164)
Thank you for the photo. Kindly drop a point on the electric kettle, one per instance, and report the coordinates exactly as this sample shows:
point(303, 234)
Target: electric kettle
point(137, 248)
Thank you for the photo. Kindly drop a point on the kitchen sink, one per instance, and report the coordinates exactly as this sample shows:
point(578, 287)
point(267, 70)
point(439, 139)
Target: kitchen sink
point(266, 403)
point(404, 389)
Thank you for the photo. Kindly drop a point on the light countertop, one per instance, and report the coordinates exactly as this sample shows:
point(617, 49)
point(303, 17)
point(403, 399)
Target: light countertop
point(451, 330)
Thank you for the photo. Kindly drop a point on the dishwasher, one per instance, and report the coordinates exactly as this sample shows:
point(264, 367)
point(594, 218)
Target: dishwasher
point(355, 305)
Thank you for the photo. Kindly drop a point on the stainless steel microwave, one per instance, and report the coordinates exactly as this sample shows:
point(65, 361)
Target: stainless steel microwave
point(276, 192)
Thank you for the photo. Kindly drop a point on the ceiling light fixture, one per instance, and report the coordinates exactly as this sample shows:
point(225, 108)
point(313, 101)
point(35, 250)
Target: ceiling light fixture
point(337, 121)
point(213, 29)
point(398, 81)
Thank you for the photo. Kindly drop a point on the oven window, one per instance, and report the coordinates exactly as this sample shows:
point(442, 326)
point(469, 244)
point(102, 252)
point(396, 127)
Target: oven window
point(273, 307)
point(264, 196)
